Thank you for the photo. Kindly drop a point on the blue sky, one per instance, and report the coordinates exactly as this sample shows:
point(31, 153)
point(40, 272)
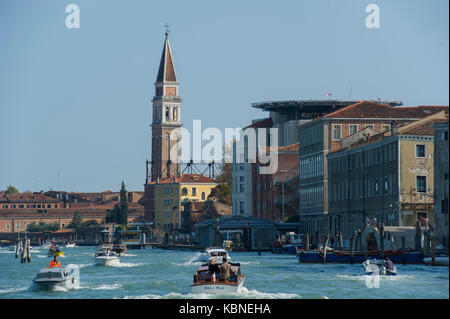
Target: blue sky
point(78, 101)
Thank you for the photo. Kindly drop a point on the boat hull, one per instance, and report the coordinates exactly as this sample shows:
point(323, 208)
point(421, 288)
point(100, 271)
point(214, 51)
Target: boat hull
point(216, 288)
point(106, 261)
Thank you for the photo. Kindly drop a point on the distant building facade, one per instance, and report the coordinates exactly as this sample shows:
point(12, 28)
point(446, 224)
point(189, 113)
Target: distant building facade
point(169, 196)
point(441, 182)
point(388, 176)
point(326, 134)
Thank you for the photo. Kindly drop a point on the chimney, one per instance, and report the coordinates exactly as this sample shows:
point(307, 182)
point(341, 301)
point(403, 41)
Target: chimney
point(394, 129)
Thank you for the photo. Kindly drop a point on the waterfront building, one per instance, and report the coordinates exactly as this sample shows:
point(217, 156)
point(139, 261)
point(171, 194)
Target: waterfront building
point(247, 232)
point(28, 201)
point(242, 170)
point(441, 183)
point(388, 177)
point(327, 134)
point(169, 196)
point(275, 196)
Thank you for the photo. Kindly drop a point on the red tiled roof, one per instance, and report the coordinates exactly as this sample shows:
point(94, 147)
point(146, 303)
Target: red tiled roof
point(262, 123)
point(424, 129)
point(187, 178)
point(367, 109)
point(26, 198)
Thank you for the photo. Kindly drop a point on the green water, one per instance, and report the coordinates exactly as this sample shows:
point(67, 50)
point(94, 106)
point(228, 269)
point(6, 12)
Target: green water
point(156, 273)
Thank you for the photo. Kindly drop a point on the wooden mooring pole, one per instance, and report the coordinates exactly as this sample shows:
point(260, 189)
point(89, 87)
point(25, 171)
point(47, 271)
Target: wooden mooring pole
point(382, 240)
point(324, 257)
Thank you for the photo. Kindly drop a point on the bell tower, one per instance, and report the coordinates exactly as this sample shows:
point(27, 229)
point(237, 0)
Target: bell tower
point(166, 118)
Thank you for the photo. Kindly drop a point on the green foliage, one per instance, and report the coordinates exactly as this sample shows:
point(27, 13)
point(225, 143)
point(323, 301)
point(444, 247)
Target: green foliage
point(221, 193)
point(89, 223)
point(33, 227)
point(123, 205)
point(11, 190)
point(76, 220)
point(119, 214)
point(227, 175)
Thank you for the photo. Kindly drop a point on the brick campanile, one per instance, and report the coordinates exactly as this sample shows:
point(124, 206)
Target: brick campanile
point(166, 119)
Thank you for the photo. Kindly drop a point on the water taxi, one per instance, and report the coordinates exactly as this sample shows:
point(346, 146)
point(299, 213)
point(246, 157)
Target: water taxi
point(203, 284)
point(53, 278)
point(105, 256)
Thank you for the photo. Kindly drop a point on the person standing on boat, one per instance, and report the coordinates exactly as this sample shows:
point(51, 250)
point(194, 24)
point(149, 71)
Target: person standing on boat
point(213, 269)
point(225, 270)
point(389, 264)
point(55, 262)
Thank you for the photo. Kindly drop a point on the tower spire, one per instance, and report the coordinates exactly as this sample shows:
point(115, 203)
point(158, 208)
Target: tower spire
point(166, 72)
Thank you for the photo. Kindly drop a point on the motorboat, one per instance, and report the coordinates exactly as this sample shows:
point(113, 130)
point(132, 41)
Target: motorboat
point(54, 250)
point(69, 244)
point(216, 253)
point(203, 283)
point(379, 267)
point(46, 244)
point(54, 278)
point(105, 256)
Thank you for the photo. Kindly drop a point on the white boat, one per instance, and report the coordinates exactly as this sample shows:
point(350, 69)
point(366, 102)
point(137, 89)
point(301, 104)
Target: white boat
point(379, 267)
point(68, 244)
point(203, 284)
point(216, 253)
point(54, 278)
point(438, 261)
point(46, 244)
point(105, 257)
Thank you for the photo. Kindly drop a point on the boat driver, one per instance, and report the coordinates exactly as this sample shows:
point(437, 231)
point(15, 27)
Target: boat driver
point(389, 264)
point(55, 262)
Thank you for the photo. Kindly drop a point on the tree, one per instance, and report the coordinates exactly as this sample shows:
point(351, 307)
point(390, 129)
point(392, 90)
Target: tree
point(76, 220)
point(221, 193)
point(11, 190)
point(114, 215)
point(123, 206)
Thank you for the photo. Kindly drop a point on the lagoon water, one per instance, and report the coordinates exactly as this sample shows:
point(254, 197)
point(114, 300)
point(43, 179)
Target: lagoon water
point(157, 273)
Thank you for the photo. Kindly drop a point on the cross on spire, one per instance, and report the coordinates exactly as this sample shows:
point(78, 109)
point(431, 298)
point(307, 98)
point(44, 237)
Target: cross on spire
point(167, 29)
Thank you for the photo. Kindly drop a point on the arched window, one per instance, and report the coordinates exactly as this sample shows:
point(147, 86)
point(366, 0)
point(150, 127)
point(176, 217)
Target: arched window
point(174, 115)
point(167, 113)
point(203, 195)
point(184, 191)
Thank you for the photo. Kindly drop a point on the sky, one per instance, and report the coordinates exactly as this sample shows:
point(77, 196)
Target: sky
point(75, 104)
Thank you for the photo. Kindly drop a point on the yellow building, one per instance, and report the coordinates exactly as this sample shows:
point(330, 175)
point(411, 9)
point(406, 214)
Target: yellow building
point(171, 193)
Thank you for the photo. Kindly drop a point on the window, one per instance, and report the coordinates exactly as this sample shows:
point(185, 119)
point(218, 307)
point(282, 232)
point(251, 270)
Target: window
point(194, 191)
point(184, 191)
point(445, 136)
point(370, 126)
point(386, 128)
point(49, 206)
point(421, 215)
point(336, 132)
point(421, 182)
point(353, 128)
point(203, 196)
point(420, 150)
point(167, 114)
point(241, 207)
point(13, 206)
point(7, 226)
point(5, 206)
point(21, 206)
point(242, 188)
point(18, 225)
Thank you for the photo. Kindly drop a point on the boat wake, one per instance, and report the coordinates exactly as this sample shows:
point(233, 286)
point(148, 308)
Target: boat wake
point(364, 277)
point(243, 293)
point(105, 287)
point(121, 264)
point(13, 289)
